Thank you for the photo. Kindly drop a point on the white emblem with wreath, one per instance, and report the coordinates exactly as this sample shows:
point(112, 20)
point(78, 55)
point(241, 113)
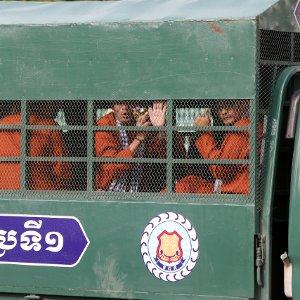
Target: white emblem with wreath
point(169, 246)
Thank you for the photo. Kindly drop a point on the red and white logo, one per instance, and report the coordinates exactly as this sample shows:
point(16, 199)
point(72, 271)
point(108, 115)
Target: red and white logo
point(169, 246)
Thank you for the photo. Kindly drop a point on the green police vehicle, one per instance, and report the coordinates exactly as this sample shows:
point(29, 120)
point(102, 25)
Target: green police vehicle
point(150, 149)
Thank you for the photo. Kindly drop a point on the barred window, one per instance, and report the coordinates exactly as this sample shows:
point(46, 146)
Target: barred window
point(200, 147)
point(216, 141)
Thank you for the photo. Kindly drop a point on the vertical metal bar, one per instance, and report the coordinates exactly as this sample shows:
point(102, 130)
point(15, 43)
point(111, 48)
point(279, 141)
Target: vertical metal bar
point(90, 145)
point(292, 46)
point(253, 164)
point(23, 144)
point(169, 146)
point(257, 101)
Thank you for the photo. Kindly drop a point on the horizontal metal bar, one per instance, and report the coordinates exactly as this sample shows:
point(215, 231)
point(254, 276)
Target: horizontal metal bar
point(212, 161)
point(210, 128)
point(10, 159)
point(142, 197)
point(186, 101)
point(56, 127)
point(56, 159)
point(43, 127)
point(127, 160)
point(11, 127)
point(75, 127)
point(43, 159)
point(83, 159)
point(276, 62)
point(175, 128)
point(128, 128)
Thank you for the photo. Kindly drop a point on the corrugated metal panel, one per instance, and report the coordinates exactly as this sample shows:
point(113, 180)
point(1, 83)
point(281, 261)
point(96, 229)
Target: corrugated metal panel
point(130, 11)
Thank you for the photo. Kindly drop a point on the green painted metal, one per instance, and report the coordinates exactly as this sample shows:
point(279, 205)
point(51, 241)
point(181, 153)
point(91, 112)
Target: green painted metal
point(169, 157)
point(253, 145)
point(176, 60)
point(271, 163)
point(11, 296)
point(90, 146)
point(294, 211)
point(159, 56)
point(23, 146)
point(174, 198)
point(167, 297)
point(114, 268)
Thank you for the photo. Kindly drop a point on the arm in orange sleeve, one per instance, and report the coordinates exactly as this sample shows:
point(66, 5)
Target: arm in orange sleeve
point(39, 143)
point(61, 169)
point(234, 146)
point(48, 143)
point(106, 145)
point(157, 145)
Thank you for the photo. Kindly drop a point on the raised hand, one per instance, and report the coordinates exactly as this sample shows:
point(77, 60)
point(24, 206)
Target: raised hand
point(203, 120)
point(157, 114)
point(142, 121)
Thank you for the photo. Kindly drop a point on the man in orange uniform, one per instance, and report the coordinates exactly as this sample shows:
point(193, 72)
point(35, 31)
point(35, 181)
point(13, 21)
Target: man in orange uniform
point(127, 177)
point(227, 179)
point(48, 143)
point(10, 146)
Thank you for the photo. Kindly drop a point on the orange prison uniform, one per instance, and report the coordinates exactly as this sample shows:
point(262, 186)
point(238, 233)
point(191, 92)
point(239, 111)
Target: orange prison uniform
point(10, 146)
point(107, 144)
point(235, 178)
point(48, 143)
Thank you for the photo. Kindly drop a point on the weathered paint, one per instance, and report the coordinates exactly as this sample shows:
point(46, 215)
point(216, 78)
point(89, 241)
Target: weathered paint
point(160, 53)
point(114, 268)
point(187, 60)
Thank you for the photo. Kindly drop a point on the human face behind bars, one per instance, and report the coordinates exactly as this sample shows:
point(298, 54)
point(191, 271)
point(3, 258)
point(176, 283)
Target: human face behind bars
point(230, 113)
point(123, 113)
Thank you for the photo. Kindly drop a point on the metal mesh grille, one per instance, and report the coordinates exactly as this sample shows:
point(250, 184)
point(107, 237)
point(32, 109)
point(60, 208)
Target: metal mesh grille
point(199, 147)
point(296, 46)
point(272, 49)
point(266, 76)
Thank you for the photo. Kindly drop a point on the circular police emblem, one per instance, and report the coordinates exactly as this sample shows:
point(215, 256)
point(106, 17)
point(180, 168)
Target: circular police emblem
point(169, 246)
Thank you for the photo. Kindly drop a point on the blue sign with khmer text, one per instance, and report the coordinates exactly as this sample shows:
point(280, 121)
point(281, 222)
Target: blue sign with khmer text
point(41, 240)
